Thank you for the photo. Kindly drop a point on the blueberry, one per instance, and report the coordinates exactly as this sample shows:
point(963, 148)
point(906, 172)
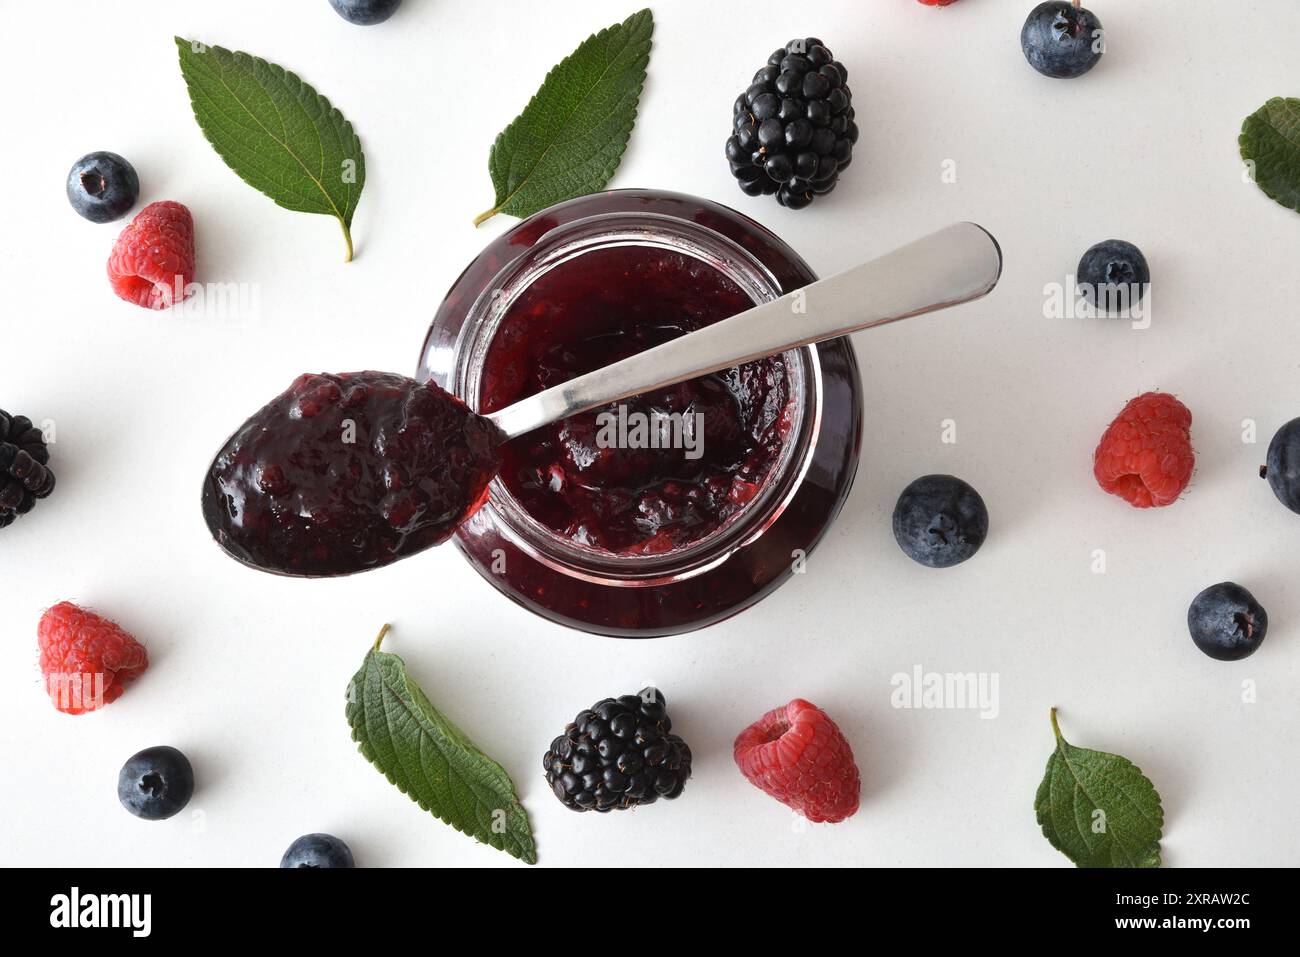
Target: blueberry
point(1226, 622)
point(317, 850)
point(940, 521)
point(365, 12)
point(1283, 465)
point(1061, 40)
point(102, 186)
point(155, 783)
point(1113, 275)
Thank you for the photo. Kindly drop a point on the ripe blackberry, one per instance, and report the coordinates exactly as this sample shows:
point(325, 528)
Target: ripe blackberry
point(618, 754)
point(793, 130)
point(23, 474)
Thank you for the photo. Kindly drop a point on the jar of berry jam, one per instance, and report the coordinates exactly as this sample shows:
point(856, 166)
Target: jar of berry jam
point(599, 522)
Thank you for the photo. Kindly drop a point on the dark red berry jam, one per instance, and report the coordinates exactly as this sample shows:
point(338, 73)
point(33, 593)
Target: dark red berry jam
point(343, 473)
point(594, 478)
point(569, 306)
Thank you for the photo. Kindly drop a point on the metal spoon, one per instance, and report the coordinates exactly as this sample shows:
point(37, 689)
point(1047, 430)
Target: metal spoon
point(954, 265)
point(275, 496)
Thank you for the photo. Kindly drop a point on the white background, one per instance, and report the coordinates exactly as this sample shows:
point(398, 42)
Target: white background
point(248, 671)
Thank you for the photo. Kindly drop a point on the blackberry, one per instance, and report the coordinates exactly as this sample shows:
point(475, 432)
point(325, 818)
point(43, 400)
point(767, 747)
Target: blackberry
point(793, 129)
point(618, 754)
point(24, 476)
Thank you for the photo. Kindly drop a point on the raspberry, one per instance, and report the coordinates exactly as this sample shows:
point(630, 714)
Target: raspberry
point(1146, 455)
point(798, 756)
point(86, 660)
point(938, 3)
point(153, 259)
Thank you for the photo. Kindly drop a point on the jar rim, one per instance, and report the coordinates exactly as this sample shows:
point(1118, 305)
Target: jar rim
point(562, 245)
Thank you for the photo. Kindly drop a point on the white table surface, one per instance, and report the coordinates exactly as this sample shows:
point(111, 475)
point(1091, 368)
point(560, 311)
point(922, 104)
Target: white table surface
point(248, 671)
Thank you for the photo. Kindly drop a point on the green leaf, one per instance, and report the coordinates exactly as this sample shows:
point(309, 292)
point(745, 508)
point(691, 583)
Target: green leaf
point(278, 134)
point(1098, 809)
point(1270, 139)
point(570, 137)
point(430, 759)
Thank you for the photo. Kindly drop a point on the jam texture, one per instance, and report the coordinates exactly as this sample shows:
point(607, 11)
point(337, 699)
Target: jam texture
point(652, 473)
point(344, 473)
point(685, 589)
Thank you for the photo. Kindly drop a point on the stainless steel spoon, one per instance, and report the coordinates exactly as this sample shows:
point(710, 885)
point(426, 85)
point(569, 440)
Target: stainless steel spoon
point(273, 499)
point(954, 265)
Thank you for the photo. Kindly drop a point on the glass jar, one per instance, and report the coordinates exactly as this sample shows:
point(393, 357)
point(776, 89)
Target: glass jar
point(759, 545)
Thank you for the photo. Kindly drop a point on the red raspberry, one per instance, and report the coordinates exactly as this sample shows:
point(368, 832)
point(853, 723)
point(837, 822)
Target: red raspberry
point(937, 3)
point(153, 260)
point(1146, 455)
point(86, 660)
point(798, 756)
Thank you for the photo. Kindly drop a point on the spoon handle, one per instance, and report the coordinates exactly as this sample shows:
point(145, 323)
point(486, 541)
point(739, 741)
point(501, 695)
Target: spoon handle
point(954, 265)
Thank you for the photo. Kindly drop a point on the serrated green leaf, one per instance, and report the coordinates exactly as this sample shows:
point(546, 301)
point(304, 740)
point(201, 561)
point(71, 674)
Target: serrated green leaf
point(1270, 140)
point(1098, 809)
point(431, 760)
point(276, 132)
point(571, 136)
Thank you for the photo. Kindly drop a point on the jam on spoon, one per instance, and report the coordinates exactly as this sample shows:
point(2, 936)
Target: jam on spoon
point(345, 473)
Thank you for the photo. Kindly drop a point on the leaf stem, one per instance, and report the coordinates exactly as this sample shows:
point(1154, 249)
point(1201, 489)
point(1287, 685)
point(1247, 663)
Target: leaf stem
point(1056, 728)
point(347, 237)
point(482, 218)
point(383, 631)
